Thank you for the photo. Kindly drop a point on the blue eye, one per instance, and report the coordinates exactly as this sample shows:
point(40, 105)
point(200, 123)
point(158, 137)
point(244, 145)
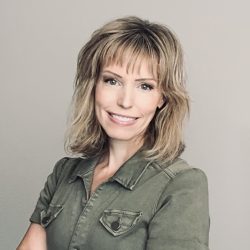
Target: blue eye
point(146, 86)
point(110, 81)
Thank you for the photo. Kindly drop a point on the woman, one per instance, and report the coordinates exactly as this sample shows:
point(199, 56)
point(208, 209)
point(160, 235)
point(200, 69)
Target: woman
point(128, 189)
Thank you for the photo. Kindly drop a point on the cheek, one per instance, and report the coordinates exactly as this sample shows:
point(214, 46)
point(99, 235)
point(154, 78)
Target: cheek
point(97, 94)
point(103, 98)
point(148, 106)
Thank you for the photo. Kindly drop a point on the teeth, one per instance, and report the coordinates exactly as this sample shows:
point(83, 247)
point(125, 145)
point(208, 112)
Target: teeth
point(122, 118)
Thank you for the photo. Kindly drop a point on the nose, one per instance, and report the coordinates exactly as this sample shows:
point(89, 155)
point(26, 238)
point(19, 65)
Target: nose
point(126, 97)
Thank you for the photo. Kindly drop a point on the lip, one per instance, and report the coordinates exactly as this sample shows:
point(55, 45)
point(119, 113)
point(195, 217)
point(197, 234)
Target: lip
point(113, 117)
point(127, 116)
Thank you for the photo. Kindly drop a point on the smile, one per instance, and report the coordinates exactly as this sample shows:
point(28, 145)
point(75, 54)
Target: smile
point(122, 120)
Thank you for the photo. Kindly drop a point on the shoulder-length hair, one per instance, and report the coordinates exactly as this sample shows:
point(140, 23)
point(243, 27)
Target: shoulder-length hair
point(140, 39)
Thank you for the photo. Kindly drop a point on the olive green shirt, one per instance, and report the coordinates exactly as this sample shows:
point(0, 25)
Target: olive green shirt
point(144, 205)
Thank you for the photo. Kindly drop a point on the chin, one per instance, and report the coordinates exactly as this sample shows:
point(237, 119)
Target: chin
point(121, 135)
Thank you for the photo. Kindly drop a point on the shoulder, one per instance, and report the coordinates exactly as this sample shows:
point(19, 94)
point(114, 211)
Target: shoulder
point(182, 206)
point(183, 177)
point(181, 169)
point(69, 168)
point(65, 162)
point(64, 167)
point(185, 184)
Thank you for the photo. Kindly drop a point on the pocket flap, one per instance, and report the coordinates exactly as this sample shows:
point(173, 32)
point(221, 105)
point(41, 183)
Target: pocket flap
point(118, 222)
point(47, 216)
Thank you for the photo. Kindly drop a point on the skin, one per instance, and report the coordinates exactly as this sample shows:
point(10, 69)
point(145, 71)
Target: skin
point(126, 100)
point(131, 93)
point(34, 239)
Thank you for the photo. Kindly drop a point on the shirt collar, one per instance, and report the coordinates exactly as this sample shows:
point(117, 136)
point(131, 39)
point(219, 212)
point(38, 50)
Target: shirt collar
point(131, 171)
point(83, 168)
point(127, 175)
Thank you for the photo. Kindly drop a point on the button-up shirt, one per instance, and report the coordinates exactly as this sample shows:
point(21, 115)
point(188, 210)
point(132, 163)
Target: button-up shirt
point(145, 205)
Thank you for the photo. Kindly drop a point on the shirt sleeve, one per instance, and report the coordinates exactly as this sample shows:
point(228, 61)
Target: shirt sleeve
point(48, 191)
point(182, 219)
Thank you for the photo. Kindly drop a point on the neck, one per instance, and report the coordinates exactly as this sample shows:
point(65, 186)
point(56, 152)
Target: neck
point(119, 152)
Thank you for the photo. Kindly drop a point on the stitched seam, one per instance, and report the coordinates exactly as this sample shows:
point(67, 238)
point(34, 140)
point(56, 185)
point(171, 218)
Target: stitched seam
point(62, 165)
point(139, 177)
point(170, 174)
point(170, 177)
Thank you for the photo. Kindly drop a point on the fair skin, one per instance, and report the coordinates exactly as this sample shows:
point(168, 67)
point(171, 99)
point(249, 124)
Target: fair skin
point(34, 239)
point(125, 103)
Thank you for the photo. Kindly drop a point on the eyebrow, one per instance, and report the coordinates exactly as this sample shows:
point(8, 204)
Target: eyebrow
point(118, 76)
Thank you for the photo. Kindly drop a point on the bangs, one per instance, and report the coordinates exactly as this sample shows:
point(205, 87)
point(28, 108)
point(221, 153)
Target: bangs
point(132, 52)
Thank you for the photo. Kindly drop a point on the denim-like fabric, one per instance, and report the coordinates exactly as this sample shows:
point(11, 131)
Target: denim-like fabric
point(145, 205)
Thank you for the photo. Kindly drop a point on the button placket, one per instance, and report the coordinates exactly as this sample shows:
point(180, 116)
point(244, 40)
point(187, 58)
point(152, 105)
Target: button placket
point(85, 215)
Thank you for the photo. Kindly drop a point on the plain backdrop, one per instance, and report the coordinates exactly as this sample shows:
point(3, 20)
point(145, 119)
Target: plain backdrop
point(40, 41)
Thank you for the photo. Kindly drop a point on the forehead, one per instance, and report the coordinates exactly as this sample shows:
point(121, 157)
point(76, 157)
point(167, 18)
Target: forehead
point(133, 64)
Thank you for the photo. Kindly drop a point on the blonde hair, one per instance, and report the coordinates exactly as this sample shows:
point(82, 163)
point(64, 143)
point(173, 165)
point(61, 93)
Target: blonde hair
point(110, 44)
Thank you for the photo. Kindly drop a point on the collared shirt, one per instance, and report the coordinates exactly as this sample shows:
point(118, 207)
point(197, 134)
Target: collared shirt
point(144, 205)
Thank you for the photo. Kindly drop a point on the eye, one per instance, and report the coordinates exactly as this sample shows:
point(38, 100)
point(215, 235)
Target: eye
point(146, 86)
point(110, 81)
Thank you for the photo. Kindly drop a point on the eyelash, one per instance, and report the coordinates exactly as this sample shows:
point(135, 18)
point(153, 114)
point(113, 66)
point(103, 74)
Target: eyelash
point(148, 86)
point(109, 80)
point(143, 86)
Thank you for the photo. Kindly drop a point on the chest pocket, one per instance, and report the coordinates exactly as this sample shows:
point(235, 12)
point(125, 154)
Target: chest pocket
point(47, 216)
point(118, 222)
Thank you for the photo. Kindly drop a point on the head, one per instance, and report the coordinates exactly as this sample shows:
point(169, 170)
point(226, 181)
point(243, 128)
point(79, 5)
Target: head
point(134, 45)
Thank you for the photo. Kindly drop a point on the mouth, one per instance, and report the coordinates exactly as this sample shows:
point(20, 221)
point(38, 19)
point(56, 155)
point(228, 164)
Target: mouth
point(122, 119)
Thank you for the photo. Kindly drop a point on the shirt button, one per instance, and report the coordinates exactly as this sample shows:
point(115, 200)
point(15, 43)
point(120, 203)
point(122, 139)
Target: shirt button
point(115, 225)
point(45, 220)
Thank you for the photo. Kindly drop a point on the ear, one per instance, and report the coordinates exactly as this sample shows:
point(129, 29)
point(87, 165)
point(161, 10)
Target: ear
point(161, 102)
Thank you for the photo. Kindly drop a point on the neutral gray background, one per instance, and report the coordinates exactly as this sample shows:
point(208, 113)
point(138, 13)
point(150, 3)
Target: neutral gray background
point(39, 45)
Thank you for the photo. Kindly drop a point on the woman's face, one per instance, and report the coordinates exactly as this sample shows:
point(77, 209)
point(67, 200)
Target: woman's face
point(126, 100)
